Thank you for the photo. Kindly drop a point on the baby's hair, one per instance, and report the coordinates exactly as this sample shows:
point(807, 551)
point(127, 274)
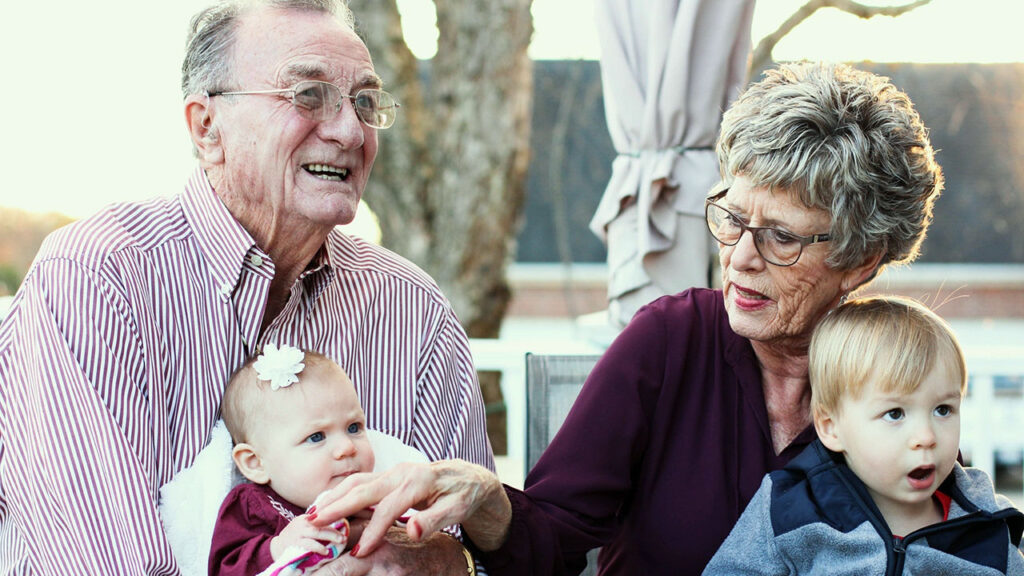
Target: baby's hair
point(244, 394)
point(892, 341)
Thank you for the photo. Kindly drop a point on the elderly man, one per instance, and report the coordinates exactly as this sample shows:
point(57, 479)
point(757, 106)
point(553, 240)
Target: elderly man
point(118, 345)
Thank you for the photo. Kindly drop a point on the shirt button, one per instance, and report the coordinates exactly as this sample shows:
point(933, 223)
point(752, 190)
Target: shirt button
point(256, 260)
point(225, 289)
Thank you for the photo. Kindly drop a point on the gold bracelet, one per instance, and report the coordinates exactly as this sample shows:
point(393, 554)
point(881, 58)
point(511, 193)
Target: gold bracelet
point(470, 563)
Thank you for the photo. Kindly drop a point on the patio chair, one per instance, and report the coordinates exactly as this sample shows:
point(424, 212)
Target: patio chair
point(552, 384)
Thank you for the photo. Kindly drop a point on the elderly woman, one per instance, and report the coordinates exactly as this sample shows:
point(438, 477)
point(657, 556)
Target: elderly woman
point(828, 176)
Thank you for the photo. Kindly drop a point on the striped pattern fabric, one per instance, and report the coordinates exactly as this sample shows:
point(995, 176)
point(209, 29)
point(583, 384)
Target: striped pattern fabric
point(116, 350)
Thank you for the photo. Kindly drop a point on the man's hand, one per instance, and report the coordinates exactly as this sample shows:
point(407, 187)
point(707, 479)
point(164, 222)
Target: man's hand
point(438, 554)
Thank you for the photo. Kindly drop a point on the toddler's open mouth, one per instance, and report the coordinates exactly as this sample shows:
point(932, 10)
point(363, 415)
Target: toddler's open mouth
point(922, 477)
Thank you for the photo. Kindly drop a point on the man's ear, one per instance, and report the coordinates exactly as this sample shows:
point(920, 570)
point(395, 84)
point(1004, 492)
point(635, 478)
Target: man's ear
point(249, 463)
point(199, 119)
point(825, 425)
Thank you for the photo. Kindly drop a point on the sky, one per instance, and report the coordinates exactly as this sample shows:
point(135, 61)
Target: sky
point(92, 98)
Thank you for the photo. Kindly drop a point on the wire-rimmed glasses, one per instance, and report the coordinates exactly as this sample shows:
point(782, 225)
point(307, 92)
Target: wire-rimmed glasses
point(776, 246)
point(319, 101)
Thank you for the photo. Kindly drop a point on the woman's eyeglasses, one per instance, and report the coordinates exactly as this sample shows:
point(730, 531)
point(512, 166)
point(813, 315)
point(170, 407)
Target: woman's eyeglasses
point(776, 246)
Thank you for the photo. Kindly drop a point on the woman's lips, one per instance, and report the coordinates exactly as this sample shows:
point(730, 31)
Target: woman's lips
point(748, 299)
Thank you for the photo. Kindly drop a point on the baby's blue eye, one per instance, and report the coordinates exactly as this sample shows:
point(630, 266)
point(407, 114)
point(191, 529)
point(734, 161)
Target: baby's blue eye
point(316, 437)
point(944, 410)
point(354, 428)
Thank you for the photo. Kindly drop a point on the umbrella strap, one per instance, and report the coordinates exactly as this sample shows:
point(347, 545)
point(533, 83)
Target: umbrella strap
point(677, 149)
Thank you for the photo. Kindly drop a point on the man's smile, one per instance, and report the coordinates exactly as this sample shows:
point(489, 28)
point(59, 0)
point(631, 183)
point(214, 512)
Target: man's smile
point(327, 172)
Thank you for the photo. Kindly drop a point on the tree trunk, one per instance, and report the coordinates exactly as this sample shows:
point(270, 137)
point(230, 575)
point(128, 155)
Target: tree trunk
point(449, 183)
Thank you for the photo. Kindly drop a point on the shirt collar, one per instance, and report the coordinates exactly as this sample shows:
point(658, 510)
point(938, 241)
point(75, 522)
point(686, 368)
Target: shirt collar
point(228, 246)
point(223, 242)
point(318, 274)
point(322, 261)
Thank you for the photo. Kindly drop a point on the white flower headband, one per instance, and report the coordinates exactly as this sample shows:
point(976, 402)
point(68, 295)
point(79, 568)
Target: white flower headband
point(280, 367)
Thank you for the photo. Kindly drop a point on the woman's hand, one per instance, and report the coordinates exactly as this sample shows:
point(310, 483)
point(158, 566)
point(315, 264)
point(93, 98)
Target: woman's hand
point(445, 492)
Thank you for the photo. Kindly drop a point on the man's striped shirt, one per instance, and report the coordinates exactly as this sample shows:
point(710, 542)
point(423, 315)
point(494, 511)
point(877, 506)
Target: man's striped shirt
point(116, 350)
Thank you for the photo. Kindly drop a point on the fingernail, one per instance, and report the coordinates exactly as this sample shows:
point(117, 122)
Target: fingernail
point(311, 517)
point(311, 509)
point(355, 550)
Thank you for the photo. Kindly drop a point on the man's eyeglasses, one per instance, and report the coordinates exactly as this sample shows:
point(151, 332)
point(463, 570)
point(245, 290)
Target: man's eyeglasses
point(319, 101)
point(776, 246)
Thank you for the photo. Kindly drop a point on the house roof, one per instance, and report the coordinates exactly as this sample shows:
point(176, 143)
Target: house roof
point(975, 114)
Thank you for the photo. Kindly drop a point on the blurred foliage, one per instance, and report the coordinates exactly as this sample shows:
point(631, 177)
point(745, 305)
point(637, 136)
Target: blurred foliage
point(10, 279)
point(21, 233)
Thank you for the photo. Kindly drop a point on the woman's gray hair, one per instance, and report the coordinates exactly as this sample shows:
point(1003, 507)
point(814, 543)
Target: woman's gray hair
point(207, 64)
point(842, 140)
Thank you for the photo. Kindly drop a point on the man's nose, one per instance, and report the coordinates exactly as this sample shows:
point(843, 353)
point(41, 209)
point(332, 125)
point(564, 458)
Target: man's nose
point(344, 127)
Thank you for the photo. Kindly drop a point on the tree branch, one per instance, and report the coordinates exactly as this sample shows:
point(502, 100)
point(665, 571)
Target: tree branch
point(762, 54)
point(865, 12)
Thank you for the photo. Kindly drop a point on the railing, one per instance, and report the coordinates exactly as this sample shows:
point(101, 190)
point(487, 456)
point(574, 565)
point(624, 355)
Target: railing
point(992, 413)
point(5, 304)
point(509, 358)
point(992, 418)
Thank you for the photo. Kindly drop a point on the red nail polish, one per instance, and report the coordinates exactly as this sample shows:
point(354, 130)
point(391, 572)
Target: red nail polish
point(311, 517)
point(311, 509)
point(355, 550)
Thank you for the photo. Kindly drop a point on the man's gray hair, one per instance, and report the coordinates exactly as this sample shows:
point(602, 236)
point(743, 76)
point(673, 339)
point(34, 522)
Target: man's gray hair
point(842, 140)
point(207, 64)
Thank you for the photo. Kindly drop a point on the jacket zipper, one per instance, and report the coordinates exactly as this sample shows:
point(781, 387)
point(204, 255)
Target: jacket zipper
point(899, 549)
point(896, 548)
point(899, 545)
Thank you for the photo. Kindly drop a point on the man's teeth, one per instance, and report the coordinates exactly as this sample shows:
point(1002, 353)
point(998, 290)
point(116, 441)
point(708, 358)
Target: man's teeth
point(327, 172)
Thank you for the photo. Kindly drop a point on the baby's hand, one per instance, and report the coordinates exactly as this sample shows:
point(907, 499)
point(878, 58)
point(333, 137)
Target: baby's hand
point(299, 532)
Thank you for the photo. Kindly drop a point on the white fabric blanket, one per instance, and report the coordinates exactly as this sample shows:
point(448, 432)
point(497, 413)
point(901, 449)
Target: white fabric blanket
point(190, 501)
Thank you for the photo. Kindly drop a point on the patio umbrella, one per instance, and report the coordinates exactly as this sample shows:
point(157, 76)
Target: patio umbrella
point(669, 68)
